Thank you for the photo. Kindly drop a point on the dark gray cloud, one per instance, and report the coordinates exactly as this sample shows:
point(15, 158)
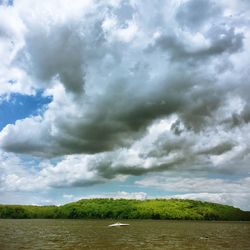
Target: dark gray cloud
point(107, 172)
point(58, 53)
point(221, 39)
point(238, 119)
point(193, 14)
point(104, 126)
point(218, 149)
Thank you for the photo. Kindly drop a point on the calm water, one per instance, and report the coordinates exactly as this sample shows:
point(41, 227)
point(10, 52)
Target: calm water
point(141, 234)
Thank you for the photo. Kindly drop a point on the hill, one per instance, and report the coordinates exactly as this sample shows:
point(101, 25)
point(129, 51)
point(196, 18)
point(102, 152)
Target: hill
point(174, 209)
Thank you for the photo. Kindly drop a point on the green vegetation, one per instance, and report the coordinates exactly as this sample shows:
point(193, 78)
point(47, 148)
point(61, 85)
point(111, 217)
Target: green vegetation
point(174, 209)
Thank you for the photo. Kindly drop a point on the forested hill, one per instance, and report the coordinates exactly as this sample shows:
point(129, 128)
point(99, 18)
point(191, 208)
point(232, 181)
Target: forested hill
point(174, 209)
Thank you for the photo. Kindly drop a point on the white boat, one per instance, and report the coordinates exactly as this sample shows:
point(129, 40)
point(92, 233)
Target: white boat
point(118, 224)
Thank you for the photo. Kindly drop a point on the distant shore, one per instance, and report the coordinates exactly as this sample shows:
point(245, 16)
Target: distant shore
point(160, 209)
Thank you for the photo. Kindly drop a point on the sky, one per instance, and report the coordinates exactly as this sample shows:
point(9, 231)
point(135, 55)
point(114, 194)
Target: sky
point(124, 99)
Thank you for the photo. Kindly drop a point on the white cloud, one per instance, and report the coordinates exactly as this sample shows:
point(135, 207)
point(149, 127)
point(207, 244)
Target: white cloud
point(197, 184)
point(12, 31)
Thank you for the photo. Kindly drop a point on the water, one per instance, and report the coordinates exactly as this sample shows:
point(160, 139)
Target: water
point(141, 234)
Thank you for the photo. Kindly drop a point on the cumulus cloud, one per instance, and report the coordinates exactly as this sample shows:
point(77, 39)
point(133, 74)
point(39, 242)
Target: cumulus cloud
point(160, 150)
point(100, 59)
point(129, 96)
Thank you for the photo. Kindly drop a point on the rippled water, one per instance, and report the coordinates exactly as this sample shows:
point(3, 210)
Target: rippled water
point(141, 234)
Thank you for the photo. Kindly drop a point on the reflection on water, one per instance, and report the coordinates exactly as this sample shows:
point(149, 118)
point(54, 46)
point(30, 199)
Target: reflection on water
point(141, 234)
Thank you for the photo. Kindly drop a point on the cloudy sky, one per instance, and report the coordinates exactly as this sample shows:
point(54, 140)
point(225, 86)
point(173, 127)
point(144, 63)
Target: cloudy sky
point(124, 98)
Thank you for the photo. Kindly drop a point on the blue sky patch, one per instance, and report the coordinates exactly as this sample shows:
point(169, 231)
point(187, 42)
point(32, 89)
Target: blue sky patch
point(21, 106)
point(7, 2)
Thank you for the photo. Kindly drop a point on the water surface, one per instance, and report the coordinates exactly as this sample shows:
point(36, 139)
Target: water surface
point(141, 234)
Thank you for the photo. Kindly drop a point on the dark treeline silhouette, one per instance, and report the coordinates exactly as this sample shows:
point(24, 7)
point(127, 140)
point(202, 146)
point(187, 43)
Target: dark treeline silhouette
point(174, 209)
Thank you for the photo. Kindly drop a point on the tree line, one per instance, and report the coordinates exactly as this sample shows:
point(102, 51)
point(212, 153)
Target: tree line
point(160, 209)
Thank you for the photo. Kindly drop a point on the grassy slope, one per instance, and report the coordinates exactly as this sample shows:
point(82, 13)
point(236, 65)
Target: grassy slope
point(129, 209)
